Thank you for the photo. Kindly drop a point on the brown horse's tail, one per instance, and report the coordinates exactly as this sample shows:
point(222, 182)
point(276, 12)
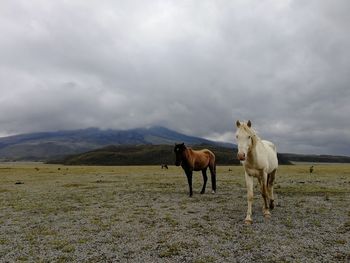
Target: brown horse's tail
point(213, 172)
point(214, 162)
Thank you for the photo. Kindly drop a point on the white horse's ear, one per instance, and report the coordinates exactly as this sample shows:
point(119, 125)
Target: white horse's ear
point(238, 124)
point(249, 124)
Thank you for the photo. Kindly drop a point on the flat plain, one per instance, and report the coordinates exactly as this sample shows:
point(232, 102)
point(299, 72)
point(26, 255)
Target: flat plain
point(53, 213)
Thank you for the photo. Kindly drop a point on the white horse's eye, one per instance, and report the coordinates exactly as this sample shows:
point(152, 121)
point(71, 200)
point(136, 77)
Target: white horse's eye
point(249, 137)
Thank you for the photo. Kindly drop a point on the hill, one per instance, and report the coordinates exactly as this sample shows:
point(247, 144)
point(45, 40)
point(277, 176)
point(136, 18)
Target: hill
point(44, 146)
point(316, 158)
point(146, 155)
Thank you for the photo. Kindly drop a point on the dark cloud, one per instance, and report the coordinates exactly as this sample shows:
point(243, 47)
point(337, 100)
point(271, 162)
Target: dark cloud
point(191, 67)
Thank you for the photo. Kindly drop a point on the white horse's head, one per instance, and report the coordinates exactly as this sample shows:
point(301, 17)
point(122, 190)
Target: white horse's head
point(244, 139)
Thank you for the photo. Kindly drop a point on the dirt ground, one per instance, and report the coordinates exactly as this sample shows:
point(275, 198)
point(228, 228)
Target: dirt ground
point(52, 213)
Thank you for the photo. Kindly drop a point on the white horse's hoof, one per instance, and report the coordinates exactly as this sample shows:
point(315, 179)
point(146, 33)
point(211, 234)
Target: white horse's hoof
point(248, 222)
point(267, 214)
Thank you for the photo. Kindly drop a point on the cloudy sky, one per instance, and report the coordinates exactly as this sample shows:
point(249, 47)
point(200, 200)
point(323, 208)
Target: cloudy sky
point(192, 66)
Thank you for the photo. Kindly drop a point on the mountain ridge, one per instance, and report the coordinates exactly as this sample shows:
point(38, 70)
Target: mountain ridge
point(42, 146)
point(56, 145)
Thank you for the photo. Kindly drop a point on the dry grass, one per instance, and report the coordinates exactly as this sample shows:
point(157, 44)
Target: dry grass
point(144, 214)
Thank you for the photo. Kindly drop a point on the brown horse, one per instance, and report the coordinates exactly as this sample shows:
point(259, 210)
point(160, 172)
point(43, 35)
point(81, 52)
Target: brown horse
point(191, 160)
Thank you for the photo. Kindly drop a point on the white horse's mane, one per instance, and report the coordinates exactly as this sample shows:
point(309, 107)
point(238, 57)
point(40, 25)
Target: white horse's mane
point(249, 130)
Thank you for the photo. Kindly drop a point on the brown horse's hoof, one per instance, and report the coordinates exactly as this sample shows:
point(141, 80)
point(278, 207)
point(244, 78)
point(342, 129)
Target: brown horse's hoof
point(213, 192)
point(248, 222)
point(272, 205)
point(202, 192)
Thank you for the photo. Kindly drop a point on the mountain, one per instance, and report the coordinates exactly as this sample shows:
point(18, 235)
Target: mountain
point(131, 146)
point(43, 146)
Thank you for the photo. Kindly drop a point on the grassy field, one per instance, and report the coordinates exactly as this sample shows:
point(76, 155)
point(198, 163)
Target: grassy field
point(53, 213)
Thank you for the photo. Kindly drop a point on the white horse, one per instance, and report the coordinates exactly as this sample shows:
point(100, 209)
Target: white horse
point(259, 158)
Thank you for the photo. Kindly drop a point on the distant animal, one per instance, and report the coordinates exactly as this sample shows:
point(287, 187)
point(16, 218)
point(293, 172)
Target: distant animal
point(192, 160)
point(164, 166)
point(259, 159)
point(311, 169)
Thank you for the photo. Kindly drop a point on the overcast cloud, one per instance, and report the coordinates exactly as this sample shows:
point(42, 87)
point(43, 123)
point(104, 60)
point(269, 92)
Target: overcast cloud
point(192, 66)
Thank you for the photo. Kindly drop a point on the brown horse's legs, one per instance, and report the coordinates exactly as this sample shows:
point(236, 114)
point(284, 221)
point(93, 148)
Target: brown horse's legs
point(205, 179)
point(189, 179)
point(213, 178)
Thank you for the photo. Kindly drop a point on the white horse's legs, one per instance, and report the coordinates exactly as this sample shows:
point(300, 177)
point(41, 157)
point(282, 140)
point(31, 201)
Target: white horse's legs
point(250, 196)
point(265, 196)
point(271, 178)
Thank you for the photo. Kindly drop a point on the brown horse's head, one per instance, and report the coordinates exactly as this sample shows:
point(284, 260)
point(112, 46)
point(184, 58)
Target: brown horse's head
point(179, 150)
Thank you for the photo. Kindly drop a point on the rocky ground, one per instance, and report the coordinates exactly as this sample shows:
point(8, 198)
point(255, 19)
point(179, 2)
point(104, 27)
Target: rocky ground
point(51, 213)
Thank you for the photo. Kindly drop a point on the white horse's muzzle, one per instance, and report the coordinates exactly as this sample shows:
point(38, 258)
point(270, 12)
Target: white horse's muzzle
point(241, 156)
